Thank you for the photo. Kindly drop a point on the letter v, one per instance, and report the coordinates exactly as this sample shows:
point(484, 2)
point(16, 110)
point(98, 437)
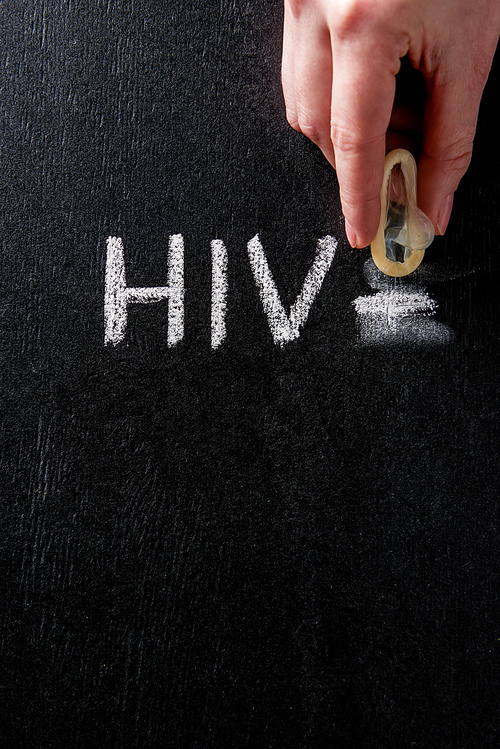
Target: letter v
point(285, 327)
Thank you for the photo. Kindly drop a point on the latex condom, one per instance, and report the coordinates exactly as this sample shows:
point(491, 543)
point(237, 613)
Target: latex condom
point(404, 232)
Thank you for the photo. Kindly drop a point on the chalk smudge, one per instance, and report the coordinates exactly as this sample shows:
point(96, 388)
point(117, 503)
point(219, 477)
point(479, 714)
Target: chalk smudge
point(399, 313)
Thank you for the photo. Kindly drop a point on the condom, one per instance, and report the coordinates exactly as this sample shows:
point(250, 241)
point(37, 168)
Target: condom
point(404, 231)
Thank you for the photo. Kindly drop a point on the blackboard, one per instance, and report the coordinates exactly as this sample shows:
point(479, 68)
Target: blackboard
point(216, 535)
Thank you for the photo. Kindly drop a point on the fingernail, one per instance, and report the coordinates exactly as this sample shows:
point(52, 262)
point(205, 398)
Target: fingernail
point(444, 214)
point(351, 234)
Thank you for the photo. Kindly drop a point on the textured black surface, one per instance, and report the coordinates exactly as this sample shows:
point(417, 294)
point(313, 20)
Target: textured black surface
point(255, 546)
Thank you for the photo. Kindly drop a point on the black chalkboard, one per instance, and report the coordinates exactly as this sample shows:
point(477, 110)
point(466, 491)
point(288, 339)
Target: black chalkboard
point(216, 532)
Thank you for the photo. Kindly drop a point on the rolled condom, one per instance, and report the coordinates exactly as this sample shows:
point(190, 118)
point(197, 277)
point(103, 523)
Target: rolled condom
point(404, 231)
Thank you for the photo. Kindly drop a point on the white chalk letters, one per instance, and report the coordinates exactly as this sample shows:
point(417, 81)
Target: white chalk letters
point(284, 327)
point(219, 292)
point(117, 296)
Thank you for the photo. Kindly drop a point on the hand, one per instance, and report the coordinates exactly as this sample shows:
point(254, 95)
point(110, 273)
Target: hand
point(340, 61)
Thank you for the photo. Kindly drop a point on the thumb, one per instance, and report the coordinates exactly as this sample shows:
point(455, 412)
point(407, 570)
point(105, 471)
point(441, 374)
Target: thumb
point(449, 128)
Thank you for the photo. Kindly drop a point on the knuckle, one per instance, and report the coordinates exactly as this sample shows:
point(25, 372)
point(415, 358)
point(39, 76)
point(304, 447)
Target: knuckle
point(307, 123)
point(310, 129)
point(292, 120)
point(355, 196)
point(297, 6)
point(353, 16)
point(344, 140)
point(460, 163)
point(376, 20)
point(353, 142)
point(454, 160)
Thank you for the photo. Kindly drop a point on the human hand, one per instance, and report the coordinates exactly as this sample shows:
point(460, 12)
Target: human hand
point(340, 60)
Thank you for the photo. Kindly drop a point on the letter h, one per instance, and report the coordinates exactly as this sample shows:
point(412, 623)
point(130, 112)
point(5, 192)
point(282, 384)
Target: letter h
point(117, 296)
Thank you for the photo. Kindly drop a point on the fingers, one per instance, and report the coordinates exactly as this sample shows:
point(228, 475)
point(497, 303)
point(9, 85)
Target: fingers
point(307, 77)
point(340, 60)
point(449, 129)
point(340, 95)
point(455, 72)
point(362, 100)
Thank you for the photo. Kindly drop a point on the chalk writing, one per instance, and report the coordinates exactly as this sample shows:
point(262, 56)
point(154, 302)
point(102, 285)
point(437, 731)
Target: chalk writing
point(219, 292)
point(284, 327)
point(397, 314)
point(118, 296)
